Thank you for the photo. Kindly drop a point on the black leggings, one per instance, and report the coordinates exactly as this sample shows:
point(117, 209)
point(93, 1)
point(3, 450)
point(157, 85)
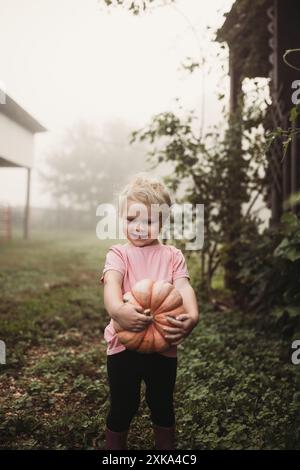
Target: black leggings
point(126, 370)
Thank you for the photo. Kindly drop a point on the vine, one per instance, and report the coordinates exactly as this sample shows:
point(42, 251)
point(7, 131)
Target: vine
point(287, 135)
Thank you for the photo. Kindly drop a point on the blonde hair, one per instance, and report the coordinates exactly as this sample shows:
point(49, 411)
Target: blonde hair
point(143, 188)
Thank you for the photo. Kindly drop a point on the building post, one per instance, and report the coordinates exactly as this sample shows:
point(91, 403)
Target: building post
point(27, 207)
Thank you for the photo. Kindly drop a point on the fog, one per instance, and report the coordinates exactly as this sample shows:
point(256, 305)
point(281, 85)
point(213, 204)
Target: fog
point(75, 64)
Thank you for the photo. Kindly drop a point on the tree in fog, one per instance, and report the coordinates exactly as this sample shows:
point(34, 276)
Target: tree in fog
point(91, 164)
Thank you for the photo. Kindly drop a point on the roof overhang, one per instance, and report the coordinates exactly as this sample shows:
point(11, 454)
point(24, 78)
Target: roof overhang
point(246, 31)
point(18, 114)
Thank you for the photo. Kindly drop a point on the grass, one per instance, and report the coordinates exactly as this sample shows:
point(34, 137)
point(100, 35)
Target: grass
point(240, 389)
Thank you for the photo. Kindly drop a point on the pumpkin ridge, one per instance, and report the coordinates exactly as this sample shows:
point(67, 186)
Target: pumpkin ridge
point(146, 280)
point(142, 337)
point(151, 298)
point(167, 345)
point(161, 302)
point(132, 336)
point(158, 307)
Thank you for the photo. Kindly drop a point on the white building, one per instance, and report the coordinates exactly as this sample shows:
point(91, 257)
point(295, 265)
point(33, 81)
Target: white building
point(17, 130)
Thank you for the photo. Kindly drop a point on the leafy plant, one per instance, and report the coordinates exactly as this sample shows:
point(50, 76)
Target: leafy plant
point(270, 272)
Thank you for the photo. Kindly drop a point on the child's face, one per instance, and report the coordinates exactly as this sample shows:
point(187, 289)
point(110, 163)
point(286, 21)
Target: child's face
point(141, 225)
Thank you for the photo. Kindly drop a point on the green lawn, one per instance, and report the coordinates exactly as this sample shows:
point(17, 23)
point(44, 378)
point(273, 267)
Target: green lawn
point(236, 387)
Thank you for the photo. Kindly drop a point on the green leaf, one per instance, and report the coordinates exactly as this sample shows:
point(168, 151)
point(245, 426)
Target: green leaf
point(294, 113)
point(290, 219)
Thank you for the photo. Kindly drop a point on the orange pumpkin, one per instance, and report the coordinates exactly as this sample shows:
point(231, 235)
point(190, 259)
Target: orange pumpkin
point(157, 298)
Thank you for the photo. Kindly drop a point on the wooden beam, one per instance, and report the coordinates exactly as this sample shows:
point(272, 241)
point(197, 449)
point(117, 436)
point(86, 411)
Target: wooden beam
point(295, 167)
point(288, 37)
point(235, 82)
point(233, 228)
point(27, 207)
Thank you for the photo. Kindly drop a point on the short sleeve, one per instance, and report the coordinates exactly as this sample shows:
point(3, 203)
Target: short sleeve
point(114, 260)
point(179, 265)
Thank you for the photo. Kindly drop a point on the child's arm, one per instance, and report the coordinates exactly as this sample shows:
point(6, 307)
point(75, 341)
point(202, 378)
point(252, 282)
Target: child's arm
point(189, 298)
point(126, 314)
point(113, 299)
point(186, 322)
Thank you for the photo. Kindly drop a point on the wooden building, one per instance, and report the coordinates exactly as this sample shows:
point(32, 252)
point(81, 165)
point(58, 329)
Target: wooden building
point(17, 130)
point(258, 33)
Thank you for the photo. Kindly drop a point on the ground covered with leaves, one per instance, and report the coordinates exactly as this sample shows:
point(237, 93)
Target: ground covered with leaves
point(236, 386)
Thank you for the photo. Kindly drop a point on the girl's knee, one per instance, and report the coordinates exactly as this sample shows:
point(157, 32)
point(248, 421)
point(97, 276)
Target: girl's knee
point(123, 415)
point(161, 411)
point(163, 417)
point(119, 422)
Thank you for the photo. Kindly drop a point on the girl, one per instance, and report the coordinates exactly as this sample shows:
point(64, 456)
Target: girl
point(143, 256)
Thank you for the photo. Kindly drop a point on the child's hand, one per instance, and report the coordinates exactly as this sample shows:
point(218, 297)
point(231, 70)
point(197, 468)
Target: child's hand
point(132, 318)
point(183, 325)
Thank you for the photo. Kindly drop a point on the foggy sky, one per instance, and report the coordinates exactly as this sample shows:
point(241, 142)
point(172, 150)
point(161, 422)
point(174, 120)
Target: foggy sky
point(68, 60)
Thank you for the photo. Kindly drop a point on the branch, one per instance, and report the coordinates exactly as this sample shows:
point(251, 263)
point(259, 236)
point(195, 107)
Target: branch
point(252, 204)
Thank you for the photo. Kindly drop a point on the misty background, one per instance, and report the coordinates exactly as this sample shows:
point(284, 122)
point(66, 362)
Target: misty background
point(91, 75)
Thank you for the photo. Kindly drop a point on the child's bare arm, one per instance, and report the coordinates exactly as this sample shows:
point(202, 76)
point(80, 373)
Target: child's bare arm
point(186, 322)
point(189, 298)
point(127, 315)
point(113, 299)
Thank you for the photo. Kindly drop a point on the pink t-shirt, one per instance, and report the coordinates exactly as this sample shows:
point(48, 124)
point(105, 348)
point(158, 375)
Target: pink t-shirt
point(159, 262)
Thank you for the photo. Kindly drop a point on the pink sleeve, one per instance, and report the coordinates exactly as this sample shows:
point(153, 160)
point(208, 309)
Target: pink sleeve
point(179, 265)
point(114, 260)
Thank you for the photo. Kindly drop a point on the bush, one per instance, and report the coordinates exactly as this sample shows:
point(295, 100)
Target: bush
point(269, 273)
